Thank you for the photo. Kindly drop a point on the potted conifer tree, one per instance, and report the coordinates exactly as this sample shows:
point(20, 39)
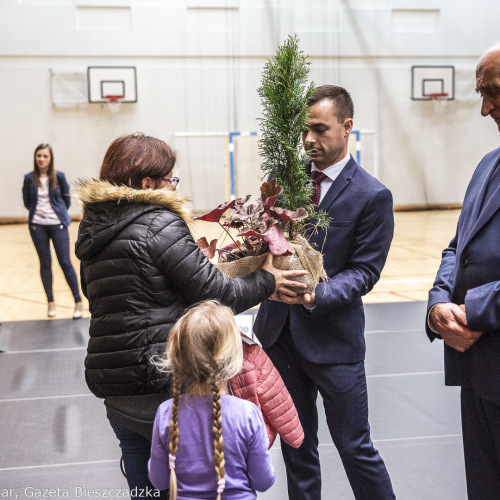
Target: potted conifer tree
point(280, 221)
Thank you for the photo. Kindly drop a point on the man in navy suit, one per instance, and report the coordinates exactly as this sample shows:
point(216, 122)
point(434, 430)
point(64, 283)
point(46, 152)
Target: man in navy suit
point(317, 341)
point(464, 304)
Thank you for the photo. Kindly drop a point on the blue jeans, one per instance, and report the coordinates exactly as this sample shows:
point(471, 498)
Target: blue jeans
point(41, 236)
point(136, 451)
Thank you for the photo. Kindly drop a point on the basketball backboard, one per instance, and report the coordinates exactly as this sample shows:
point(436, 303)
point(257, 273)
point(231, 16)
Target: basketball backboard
point(115, 82)
point(429, 82)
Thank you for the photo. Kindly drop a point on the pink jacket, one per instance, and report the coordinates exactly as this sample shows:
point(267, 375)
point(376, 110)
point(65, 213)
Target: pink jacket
point(261, 383)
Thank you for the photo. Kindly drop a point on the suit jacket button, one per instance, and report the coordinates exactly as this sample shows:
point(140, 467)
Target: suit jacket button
point(465, 262)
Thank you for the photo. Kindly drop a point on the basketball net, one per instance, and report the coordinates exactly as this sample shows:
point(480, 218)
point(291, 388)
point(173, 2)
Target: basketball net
point(113, 102)
point(438, 96)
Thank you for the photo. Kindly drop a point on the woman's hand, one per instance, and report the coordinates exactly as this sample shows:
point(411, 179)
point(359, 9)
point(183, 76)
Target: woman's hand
point(283, 279)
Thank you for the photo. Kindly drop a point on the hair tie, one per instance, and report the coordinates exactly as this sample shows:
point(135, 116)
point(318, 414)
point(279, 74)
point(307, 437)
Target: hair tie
point(221, 484)
point(171, 461)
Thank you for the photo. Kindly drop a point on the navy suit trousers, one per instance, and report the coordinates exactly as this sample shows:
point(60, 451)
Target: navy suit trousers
point(481, 435)
point(343, 389)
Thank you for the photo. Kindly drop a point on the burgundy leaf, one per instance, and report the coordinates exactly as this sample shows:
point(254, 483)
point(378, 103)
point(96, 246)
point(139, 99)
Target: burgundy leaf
point(229, 247)
point(239, 202)
point(288, 215)
point(216, 214)
point(270, 202)
point(270, 189)
point(246, 211)
point(234, 222)
point(252, 234)
point(207, 249)
point(278, 244)
point(268, 221)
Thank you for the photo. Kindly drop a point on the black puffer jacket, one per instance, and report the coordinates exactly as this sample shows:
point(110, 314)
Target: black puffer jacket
point(140, 269)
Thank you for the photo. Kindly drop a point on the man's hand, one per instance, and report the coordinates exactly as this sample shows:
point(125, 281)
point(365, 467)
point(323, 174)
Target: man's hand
point(450, 321)
point(286, 296)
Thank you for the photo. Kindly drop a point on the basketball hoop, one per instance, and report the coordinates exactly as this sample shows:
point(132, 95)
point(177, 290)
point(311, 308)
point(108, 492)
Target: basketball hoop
point(113, 102)
point(438, 96)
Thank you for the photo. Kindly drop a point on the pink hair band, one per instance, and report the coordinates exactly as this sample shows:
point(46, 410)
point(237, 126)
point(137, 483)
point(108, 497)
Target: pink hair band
point(171, 461)
point(221, 484)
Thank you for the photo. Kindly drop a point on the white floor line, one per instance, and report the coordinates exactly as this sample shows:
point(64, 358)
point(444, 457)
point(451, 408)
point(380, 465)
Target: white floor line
point(409, 374)
point(37, 398)
point(398, 331)
point(27, 467)
point(391, 440)
point(392, 282)
point(416, 438)
point(35, 351)
point(65, 396)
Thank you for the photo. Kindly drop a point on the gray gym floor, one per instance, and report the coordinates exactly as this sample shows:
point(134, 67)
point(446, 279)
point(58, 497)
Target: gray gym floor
point(55, 435)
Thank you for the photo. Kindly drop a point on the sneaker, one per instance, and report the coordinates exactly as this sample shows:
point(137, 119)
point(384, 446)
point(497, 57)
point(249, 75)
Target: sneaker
point(78, 313)
point(51, 310)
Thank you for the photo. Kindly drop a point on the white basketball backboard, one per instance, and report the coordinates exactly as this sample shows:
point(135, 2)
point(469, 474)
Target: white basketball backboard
point(429, 82)
point(105, 82)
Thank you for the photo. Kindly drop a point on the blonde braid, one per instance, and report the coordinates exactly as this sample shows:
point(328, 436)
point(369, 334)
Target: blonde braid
point(174, 438)
point(218, 441)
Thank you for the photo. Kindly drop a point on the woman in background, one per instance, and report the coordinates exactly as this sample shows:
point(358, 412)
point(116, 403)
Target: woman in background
point(46, 196)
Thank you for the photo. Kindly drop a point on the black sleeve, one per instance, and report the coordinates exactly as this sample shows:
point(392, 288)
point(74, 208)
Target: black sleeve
point(176, 254)
point(26, 193)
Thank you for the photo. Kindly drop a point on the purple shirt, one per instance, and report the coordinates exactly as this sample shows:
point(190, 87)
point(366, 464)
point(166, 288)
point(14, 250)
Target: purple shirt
point(247, 460)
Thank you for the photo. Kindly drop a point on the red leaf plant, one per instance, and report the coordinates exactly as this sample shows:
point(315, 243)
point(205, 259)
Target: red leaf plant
point(258, 225)
point(206, 248)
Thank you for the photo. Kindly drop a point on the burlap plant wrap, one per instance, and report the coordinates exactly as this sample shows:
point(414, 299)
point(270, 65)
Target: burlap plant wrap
point(304, 257)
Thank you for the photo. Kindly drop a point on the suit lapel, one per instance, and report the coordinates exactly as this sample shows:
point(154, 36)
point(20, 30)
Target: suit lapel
point(485, 214)
point(481, 215)
point(338, 185)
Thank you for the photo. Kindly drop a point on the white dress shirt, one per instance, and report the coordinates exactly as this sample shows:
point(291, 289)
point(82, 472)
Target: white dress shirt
point(331, 172)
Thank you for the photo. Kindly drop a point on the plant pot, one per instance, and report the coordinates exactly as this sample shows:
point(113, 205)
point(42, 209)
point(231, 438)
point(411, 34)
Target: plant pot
point(303, 257)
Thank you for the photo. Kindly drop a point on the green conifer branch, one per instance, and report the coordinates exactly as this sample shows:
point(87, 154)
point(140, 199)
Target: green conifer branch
point(284, 92)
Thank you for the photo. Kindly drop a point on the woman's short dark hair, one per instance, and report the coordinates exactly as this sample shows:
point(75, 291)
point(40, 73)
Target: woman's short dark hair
point(339, 95)
point(133, 157)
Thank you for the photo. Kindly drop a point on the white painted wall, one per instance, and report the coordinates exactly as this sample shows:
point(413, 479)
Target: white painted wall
point(199, 63)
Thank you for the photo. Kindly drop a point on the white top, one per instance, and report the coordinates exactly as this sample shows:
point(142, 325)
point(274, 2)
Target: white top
point(331, 172)
point(44, 213)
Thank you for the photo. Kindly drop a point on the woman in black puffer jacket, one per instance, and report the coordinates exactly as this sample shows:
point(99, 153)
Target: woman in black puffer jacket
point(140, 269)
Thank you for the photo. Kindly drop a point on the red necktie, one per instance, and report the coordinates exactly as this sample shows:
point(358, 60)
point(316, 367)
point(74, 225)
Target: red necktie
point(316, 177)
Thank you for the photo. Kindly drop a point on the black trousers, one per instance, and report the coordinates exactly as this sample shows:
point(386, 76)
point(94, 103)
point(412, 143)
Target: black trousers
point(481, 436)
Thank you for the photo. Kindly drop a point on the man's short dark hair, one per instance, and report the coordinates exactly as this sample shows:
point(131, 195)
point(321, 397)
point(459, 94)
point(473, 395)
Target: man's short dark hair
point(339, 95)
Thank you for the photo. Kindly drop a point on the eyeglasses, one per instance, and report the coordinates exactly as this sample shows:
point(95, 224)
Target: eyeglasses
point(173, 181)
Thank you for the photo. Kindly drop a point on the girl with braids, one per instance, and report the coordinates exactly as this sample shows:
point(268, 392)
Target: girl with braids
point(206, 443)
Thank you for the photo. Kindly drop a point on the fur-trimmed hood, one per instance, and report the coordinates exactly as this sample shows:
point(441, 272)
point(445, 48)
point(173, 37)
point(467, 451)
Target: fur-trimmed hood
point(96, 191)
point(108, 209)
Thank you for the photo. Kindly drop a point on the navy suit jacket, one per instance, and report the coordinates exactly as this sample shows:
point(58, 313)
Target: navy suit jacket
point(354, 251)
point(470, 273)
point(60, 198)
